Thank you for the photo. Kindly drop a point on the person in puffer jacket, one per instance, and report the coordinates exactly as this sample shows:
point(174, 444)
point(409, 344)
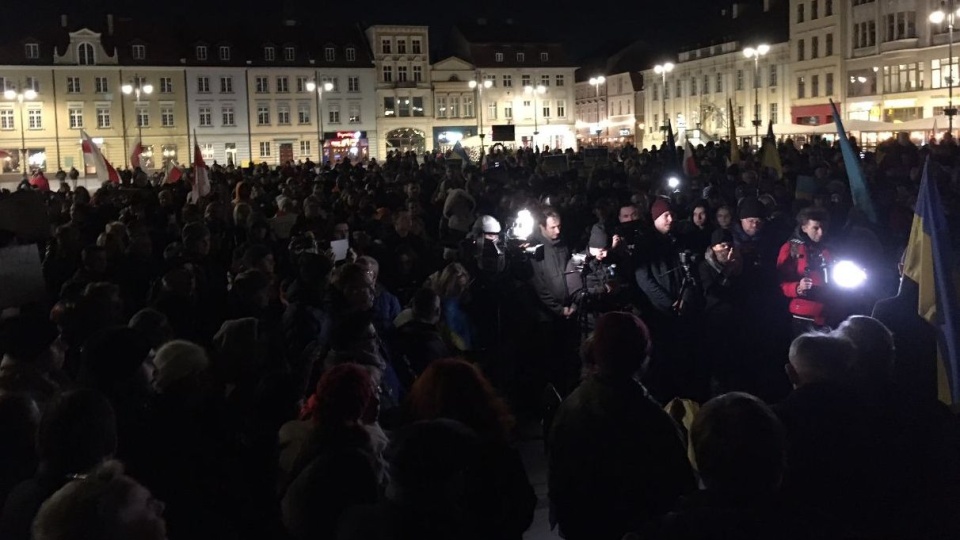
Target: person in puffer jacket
point(802, 266)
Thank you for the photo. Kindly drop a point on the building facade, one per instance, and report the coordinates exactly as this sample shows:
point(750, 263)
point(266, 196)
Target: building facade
point(817, 43)
point(607, 112)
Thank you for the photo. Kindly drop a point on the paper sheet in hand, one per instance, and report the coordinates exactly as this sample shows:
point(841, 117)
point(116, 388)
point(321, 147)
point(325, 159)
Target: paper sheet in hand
point(21, 278)
point(340, 248)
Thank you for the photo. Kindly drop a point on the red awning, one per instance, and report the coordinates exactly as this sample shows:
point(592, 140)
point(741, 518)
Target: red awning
point(822, 112)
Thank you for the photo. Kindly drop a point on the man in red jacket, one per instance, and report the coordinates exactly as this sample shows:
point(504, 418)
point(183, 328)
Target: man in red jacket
point(802, 265)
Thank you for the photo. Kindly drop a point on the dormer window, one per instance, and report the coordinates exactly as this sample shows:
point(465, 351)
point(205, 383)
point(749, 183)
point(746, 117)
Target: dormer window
point(224, 53)
point(269, 54)
point(139, 52)
point(329, 54)
point(498, 57)
point(544, 57)
point(32, 50)
point(85, 55)
point(520, 57)
point(201, 52)
point(351, 54)
point(289, 54)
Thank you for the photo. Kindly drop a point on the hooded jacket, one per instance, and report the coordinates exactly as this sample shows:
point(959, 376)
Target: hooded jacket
point(801, 257)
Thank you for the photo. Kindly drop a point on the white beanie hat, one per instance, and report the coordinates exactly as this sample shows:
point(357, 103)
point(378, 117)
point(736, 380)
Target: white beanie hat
point(178, 360)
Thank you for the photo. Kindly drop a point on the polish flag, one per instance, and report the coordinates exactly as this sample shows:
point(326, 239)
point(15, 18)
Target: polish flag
point(135, 155)
point(173, 174)
point(40, 181)
point(92, 154)
point(690, 161)
point(201, 177)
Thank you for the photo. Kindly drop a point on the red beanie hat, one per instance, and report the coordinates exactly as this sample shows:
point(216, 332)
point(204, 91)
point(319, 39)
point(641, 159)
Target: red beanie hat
point(659, 208)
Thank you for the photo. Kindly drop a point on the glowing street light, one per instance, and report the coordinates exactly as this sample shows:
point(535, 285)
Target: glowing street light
point(137, 87)
point(325, 86)
point(662, 70)
point(756, 53)
point(478, 90)
point(535, 90)
point(596, 82)
point(948, 12)
point(20, 95)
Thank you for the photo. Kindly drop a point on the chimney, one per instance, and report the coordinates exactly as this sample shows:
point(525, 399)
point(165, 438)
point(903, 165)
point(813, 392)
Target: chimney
point(63, 21)
point(110, 24)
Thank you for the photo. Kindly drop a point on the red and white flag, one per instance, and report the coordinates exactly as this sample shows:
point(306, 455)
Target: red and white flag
point(40, 181)
point(135, 155)
point(201, 177)
point(93, 155)
point(173, 174)
point(690, 161)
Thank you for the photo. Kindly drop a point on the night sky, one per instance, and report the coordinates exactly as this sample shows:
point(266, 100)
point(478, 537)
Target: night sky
point(581, 26)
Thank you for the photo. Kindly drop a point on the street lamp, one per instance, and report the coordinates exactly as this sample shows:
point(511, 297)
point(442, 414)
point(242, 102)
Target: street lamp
point(756, 53)
point(326, 86)
point(478, 91)
point(539, 89)
point(662, 70)
point(948, 12)
point(137, 87)
point(596, 82)
point(20, 95)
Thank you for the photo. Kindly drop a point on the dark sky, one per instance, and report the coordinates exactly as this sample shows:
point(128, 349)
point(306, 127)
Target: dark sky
point(583, 26)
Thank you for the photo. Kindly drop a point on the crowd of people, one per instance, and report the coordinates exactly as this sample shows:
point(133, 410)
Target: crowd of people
point(349, 350)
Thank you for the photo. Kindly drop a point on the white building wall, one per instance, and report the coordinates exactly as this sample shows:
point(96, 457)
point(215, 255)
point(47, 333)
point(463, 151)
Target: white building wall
point(219, 134)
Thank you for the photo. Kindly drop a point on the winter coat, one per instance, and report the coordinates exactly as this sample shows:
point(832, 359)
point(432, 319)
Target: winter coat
point(800, 257)
point(458, 209)
point(548, 278)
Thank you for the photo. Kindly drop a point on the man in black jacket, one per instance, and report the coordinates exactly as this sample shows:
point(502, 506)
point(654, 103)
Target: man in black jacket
point(418, 341)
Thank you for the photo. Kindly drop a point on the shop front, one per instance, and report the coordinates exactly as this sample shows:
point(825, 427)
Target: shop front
point(445, 137)
point(812, 115)
point(341, 145)
point(10, 159)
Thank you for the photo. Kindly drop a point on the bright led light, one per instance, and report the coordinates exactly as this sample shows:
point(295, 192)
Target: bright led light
point(673, 182)
point(848, 275)
point(127, 88)
point(311, 86)
point(937, 16)
point(763, 49)
point(30, 93)
point(523, 225)
point(473, 84)
point(487, 83)
point(749, 52)
point(148, 88)
point(327, 86)
point(10, 94)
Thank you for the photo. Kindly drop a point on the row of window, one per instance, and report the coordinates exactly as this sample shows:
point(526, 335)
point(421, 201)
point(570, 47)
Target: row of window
point(521, 57)
point(386, 45)
point(462, 106)
point(265, 149)
point(902, 25)
point(262, 84)
point(740, 117)
point(104, 118)
point(815, 47)
point(772, 80)
point(814, 10)
point(264, 117)
point(403, 74)
point(814, 86)
point(270, 53)
point(102, 84)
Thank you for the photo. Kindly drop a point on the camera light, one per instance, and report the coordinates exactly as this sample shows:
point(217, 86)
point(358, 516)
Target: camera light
point(523, 225)
point(848, 275)
point(673, 182)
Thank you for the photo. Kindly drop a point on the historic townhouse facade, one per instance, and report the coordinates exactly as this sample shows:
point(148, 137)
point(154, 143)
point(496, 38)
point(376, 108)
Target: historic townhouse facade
point(817, 39)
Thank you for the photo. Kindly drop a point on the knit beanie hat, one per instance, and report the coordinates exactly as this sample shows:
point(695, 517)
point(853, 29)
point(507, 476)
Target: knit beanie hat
point(721, 236)
point(659, 208)
point(176, 361)
point(598, 238)
point(750, 207)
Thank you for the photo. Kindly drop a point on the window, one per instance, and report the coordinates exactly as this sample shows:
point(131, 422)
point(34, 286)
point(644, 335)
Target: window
point(416, 46)
point(262, 86)
point(417, 73)
point(418, 106)
point(264, 149)
point(226, 85)
point(545, 106)
point(520, 57)
point(101, 85)
point(508, 81)
point(103, 117)
point(801, 88)
point(666, 91)
point(829, 45)
point(333, 113)
point(139, 52)
point(401, 46)
point(773, 75)
point(560, 80)
point(206, 117)
point(303, 113)
point(561, 108)
point(85, 55)
point(269, 54)
point(353, 113)
point(302, 84)
point(203, 85)
point(865, 34)
point(718, 84)
point(492, 110)
point(283, 85)
point(508, 111)
point(351, 54)
point(166, 85)
point(166, 116)
point(739, 79)
point(227, 116)
point(441, 106)
point(401, 73)
point(6, 119)
point(32, 50)
point(545, 80)
point(289, 54)
point(329, 54)
point(814, 9)
point(73, 85)
point(801, 51)
point(143, 117)
point(829, 84)
point(454, 110)
point(498, 57)
point(263, 115)
point(32, 83)
point(468, 111)
point(909, 77)
point(34, 118)
point(800, 8)
point(390, 106)
point(827, 8)
point(283, 115)
point(814, 47)
point(304, 148)
point(739, 115)
point(387, 74)
point(693, 86)
point(544, 57)
point(201, 51)
point(525, 80)
point(527, 108)
point(706, 84)
point(224, 53)
point(385, 47)
point(902, 25)
point(774, 113)
point(656, 92)
point(353, 84)
point(815, 86)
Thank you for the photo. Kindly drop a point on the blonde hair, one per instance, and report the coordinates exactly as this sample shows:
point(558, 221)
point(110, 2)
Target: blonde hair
point(448, 284)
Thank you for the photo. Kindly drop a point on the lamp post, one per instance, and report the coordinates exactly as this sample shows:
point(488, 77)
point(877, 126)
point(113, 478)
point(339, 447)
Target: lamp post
point(539, 89)
point(137, 87)
point(478, 92)
point(948, 12)
point(662, 70)
point(878, 84)
point(596, 82)
point(20, 95)
point(325, 86)
point(756, 53)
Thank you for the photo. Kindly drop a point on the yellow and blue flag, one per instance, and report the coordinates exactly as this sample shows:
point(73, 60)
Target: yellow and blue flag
point(769, 155)
point(929, 263)
point(858, 187)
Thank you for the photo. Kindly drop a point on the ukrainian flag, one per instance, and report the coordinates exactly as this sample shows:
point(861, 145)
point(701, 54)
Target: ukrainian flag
point(769, 155)
point(929, 263)
point(858, 187)
point(459, 150)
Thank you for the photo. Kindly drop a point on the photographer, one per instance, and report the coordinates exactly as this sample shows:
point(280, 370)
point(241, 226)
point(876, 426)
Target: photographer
point(598, 290)
point(802, 266)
